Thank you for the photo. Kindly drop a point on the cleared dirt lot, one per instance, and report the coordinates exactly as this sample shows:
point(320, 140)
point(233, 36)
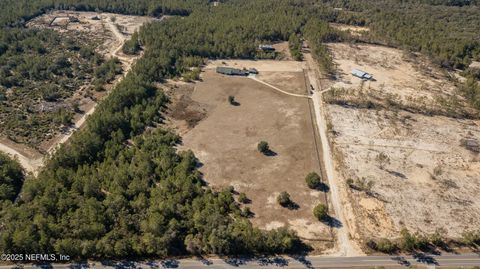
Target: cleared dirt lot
point(225, 138)
point(422, 177)
point(353, 30)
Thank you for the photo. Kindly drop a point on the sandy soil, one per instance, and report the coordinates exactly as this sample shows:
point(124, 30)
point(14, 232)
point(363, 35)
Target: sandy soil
point(225, 141)
point(475, 64)
point(428, 180)
point(284, 50)
point(353, 30)
point(293, 82)
point(394, 72)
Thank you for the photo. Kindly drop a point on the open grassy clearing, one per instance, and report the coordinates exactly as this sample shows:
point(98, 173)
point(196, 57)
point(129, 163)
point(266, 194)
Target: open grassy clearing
point(224, 138)
point(403, 133)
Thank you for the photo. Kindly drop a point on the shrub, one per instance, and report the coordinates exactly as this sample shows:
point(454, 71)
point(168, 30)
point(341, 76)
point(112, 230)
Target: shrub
point(231, 99)
point(320, 211)
point(284, 199)
point(246, 212)
point(350, 183)
point(313, 180)
point(471, 238)
point(386, 246)
point(242, 198)
point(263, 147)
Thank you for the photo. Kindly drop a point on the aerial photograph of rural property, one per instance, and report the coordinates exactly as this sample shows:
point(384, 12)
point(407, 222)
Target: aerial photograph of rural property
point(239, 134)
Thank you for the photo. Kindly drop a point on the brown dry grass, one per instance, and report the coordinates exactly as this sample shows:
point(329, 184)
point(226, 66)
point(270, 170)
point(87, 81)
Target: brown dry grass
point(225, 141)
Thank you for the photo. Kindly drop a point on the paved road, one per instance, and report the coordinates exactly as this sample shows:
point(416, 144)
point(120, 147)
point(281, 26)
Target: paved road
point(280, 262)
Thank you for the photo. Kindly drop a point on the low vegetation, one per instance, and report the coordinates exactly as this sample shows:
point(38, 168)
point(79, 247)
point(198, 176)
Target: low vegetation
point(284, 199)
point(295, 46)
point(40, 70)
point(263, 147)
point(320, 212)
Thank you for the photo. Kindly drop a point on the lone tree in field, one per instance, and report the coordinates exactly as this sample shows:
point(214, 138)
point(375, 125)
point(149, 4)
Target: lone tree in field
point(320, 211)
point(231, 100)
point(313, 180)
point(263, 147)
point(284, 199)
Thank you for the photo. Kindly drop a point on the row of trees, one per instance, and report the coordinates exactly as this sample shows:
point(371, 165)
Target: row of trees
point(409, 242)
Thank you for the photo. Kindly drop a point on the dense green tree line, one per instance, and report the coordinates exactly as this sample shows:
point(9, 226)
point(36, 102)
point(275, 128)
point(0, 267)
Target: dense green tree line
point(11, 178)
point(446, 30)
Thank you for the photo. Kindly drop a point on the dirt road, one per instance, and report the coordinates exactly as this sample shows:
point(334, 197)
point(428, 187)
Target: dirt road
point(31, 165)
point(345, 246)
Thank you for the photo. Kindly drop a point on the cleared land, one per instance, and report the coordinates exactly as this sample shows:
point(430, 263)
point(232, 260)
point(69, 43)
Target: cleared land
point(353, 30)
point(405, 132)
point(107, 32)
point(225, 137)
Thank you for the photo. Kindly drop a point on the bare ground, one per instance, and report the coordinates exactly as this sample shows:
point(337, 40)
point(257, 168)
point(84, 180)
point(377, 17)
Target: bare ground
point(427, 180)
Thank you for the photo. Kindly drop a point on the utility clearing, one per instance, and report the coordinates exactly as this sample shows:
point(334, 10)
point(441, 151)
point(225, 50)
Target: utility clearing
point(109, 32)
point(405, 145)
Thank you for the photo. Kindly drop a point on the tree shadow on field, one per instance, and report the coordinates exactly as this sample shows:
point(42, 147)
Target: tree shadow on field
point(235, 103)
point(270, 153)
point(332, 222)
point(323, 187)
point(293, 206)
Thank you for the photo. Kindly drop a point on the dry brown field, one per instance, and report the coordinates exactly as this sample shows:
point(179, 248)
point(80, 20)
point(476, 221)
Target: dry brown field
point(224, 138)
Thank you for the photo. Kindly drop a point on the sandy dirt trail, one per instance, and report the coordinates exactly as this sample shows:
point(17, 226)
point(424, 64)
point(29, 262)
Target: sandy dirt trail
point(29, 164)
point(278, 89)
point(345, 246)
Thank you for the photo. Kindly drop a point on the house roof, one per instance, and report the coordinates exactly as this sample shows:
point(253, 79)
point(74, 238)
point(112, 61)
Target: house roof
point(361, 74)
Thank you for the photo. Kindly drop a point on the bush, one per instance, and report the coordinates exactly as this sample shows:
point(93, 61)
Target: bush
point(471, 238)
point(313, 180)
point(284, 199)
point(350, 183)
point(263, 147)
point(242, 198)
point(246, 212)
point(231, 99)
point(383, 245)
point(320, 211)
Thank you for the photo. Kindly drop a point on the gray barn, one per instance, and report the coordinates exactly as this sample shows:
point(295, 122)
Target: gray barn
point(230, 71)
